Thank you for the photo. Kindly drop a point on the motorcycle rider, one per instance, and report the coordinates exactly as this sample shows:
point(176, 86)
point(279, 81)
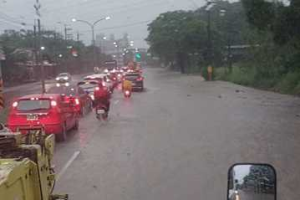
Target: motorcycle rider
point(127, 85)
point(102, 96)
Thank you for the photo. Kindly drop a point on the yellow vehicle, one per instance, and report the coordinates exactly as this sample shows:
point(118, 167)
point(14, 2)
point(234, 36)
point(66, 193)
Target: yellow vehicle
point(25, 165)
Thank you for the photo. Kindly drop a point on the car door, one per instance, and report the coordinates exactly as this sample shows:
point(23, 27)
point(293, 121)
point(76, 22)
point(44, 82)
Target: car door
point(68, 112)
point(82, 97)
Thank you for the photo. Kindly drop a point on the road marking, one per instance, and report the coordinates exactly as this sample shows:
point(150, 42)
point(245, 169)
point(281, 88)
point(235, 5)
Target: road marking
point(67, 165)
point(116, 102)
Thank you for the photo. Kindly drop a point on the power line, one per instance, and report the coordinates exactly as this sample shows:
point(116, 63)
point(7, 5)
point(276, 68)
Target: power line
point(93, 3)
point(8, 18)
point(136, 8)
point(120, 26)
point(13, 24)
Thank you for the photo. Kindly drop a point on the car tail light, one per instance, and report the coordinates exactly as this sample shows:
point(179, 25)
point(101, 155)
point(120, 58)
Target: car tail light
point(140, 79)
point(53, 103)
point(77, 101)
point(103, 83)
point(15, 104)
point(97, 88)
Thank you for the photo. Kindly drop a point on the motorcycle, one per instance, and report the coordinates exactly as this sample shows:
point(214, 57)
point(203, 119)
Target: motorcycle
point(101, 112)
point(127, 93)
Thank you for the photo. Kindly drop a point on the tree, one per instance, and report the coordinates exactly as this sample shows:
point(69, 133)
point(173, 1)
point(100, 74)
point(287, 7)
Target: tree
point(173, 36)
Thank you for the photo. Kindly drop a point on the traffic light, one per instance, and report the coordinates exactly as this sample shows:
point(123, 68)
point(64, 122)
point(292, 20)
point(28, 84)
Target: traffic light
point(138, 57)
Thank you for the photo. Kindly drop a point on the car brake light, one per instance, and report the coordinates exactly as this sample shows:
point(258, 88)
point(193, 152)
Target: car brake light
point(53, 103)
point(97, 88)
point(77, 101)
point(15, 104)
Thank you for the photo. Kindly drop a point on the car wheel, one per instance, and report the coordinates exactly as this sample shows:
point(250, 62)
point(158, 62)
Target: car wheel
point(83, 111)
point(76, 126)
point(63, 135)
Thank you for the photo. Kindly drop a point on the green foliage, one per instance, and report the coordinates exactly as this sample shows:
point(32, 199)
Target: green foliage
point(174, 35)
point(260, 13)
point(289, 83)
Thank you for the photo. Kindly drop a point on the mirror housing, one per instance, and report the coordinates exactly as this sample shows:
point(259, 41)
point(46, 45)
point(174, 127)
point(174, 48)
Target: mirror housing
point(252, 181)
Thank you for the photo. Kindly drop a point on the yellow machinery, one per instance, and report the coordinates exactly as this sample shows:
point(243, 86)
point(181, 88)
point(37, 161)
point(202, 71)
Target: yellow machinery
point(25, 166)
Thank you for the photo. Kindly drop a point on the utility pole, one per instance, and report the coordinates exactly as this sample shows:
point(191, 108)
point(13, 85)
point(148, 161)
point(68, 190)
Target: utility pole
point(209, 42)
point(209, 5)
point(35, 47)
point(40, 58)
point(37, 7)
point(79, 55)
point(66, 45)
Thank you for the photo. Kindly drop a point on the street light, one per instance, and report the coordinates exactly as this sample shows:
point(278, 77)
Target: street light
point(43, 48)
point(92, 26)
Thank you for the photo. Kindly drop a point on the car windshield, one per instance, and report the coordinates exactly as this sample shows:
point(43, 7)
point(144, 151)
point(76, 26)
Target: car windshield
point(204, 84)
point(32, 105)
point(87, 85)
point(63, 74)
point(132, 76)
point(63, 90)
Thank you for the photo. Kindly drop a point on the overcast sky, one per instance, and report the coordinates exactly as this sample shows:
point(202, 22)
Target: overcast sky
point(131, 16)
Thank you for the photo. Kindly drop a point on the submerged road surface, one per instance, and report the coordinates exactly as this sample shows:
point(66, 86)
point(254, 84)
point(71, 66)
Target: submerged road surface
point(177, 140)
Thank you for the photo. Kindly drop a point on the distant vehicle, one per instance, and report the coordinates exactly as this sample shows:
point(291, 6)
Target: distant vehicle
point(55, 112)
point(104, 78)
point(113, 76)
point(110, 65)
point(136, 79)
point(89, 87)
point(83, 102)
point(63, 77)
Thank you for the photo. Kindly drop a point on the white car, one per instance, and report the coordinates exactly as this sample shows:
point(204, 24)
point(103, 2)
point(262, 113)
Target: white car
point(101, 77)
point(63, 77)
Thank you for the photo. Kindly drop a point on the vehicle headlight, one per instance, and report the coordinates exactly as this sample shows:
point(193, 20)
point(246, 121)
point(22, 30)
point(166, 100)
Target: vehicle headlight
point(66, 78)
point(57, 79)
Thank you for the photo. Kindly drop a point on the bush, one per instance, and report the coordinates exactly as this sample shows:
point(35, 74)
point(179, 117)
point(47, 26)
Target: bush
point(289, 83)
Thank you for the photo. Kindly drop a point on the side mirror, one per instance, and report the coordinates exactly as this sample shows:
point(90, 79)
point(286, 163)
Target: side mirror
point(251, 181)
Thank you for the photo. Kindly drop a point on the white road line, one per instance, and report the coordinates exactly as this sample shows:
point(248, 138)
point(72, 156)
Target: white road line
point(116, 102)
point(67, 165)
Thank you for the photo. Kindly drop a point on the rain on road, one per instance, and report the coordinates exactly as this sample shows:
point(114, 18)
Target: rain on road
point(178, 139)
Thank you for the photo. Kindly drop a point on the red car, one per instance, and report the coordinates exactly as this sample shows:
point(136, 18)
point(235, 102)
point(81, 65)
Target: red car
point(55, 112)
point(83, 102)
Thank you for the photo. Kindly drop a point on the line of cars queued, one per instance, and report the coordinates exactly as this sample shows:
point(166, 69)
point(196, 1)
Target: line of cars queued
point(59, 109)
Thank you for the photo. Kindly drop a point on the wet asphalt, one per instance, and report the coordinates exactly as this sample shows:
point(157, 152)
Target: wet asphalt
point(177, 140)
